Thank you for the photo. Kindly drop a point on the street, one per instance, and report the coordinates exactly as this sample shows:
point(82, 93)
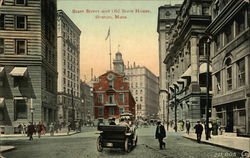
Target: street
point(83, 145)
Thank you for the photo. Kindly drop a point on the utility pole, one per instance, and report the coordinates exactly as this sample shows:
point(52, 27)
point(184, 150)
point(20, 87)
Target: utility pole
point(175, 110)
point(207, 100)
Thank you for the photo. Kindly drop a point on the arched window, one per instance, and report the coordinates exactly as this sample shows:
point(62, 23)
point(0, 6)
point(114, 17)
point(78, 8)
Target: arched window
point(228, 64)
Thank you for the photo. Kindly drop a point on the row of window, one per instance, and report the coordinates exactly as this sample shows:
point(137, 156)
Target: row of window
point(20, 46)
point(111, 111)
point(69, 91)
point(231, 30)
point(111, 98)
point(18, 2)
point(229, 78)
point(20, 22)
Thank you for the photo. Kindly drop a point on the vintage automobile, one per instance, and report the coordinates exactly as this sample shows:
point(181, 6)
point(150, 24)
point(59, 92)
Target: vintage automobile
point(116, 136)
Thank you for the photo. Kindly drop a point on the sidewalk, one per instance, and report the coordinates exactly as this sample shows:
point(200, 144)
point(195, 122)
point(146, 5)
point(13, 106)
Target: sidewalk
point(6, 148)
point(231, 142)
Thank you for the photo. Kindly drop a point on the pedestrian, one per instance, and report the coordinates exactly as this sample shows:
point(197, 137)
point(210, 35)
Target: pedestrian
point(39, 129)
point(187, 126)
point(20, 128)
point(51, 129)
point(112, 122)
point(198, 130)
point(30, 131)
point(43, 128)
point(69, 127)
point(160, 133)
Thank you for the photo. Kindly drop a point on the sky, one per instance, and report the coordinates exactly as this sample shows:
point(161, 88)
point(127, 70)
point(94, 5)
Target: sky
point(135, 36)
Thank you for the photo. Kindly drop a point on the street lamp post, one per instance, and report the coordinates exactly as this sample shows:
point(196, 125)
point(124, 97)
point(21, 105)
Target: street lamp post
point(207, 100)
point(175, 110)
point(32, 110)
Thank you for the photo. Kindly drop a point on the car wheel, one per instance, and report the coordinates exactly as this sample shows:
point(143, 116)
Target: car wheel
point(127, 145)
point(99, 144)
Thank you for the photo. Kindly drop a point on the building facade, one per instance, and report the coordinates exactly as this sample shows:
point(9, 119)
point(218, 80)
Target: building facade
point(112, 96)
point(28, 65)
point(166, 17)
point(230, 51)
point(68, 62)
point(87, 103)
point(144, 87)
point(186, 62)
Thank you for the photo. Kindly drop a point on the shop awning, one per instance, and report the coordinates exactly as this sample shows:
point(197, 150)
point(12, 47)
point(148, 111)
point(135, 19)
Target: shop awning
point(203, 68)
point(1, 71)
point(187, 73)
point(19, 71)
point(20, 98)
point(1, 102)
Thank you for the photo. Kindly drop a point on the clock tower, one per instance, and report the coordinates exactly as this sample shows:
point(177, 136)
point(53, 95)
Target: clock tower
point(118, 63)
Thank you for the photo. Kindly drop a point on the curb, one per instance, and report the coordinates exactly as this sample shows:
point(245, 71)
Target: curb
point(42, 135)
point(9, 149)
point(214, 144)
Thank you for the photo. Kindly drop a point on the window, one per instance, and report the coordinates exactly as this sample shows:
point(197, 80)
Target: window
point(202, 47)
point(20, 109)
point(141, 99)
point(121, 110)
point(229, 32)
point(20, 47)
point(240, 22)
point(111, 111)
point(100, 98)
point(241, 72)
point(100, 111)
point(1, 21)
point(121, 97)
point(136, 98)
point(20, 81)
point(111, 99)
point(20, 2)
point(218, 79)
point(111, 84)
point(1, 46)
point(1, 114)
point(218, 42)
point(20, 22)
point(229, 74)
point(136, 92)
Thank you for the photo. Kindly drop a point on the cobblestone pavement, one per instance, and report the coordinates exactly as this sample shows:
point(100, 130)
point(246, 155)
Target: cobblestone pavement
point(83, 145)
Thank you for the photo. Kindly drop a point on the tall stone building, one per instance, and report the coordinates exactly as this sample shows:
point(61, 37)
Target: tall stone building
point(230, 54)
point(87, 102)
point(68, 38)
point(186, 62)
point(166, 17)
point(28, 62)
point(144, 87)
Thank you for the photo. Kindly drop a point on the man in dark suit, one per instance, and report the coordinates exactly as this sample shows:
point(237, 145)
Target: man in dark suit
point(198, 130)
point(160, 134)
point(112, 122)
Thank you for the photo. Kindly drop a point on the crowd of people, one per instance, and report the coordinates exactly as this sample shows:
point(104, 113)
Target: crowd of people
point(41, 128)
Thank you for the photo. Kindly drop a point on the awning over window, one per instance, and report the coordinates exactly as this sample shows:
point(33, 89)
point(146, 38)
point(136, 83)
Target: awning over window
point(203, 68)
point(20, 98)
point(187, 73)
point(1, 71)
point(19, 71)
point(1, 102)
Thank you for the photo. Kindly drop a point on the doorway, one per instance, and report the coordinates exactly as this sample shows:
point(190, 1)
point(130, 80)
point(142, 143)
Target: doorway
point(230, 118)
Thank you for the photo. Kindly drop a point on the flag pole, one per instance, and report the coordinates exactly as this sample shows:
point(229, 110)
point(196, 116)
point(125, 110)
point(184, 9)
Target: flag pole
point(110, 49)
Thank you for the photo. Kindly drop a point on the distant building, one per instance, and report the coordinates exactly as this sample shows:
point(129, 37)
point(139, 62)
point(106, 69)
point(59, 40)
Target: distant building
point(28, 66)
point(118, 63)
point(230, 54)
point(144, 87)
point(68, 63)
point(112, 96)
point(166, 17)
point(87, 102)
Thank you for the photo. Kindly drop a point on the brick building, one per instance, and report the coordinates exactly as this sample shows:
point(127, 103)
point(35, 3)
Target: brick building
point(112, 96)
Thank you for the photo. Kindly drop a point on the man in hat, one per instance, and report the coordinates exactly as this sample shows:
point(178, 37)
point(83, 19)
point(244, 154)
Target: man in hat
point(198, 130)
point(160, 134)
point(112, 122)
